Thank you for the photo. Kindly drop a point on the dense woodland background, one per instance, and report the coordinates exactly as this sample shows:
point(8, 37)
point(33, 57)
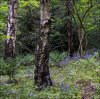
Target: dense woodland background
point(73, 76)
point(29, 21)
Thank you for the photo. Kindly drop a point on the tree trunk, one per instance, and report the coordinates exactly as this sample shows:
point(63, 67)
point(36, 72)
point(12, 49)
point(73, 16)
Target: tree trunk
point(69, 26)
point(81, 38)
point(42, 76)
point(11, 29)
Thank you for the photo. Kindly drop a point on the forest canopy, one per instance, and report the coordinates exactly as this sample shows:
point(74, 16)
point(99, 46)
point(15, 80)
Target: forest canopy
point(29, 17)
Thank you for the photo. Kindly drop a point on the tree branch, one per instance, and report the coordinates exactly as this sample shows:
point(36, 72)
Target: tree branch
point(87, 11)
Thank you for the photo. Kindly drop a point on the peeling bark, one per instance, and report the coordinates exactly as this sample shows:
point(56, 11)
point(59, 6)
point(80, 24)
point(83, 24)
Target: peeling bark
point(42, 75)
point(11, 29)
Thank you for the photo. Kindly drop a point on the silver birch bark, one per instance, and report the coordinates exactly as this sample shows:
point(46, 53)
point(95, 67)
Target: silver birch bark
point(11, 29)
point(42, 76)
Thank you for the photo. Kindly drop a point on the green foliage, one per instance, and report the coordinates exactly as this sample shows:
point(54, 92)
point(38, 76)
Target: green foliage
point(2, 38)
point(68, 75)
point(3, 14)
point(25, 60)
point(8, 67)
point(29, 21)
point(28, 27)
point(24, 3)
point(64, 79)
point(56, 57)
point(3, 66)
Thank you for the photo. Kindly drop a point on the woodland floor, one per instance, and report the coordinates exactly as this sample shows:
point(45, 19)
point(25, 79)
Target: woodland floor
point(74, 80)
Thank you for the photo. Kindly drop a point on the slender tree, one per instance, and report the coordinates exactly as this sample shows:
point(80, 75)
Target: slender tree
point(69, 10)
point(11, 29)
point(42, 75)
point(81, 27)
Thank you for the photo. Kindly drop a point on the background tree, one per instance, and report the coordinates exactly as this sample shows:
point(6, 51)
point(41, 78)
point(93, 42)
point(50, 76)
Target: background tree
point(69, 9)
point(81, 25)
point(42, 76)
point(71, 73)
point(28, 25)
point(11, 29)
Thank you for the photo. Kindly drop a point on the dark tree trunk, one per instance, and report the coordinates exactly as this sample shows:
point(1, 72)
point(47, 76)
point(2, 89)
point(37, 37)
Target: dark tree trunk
point(69, 26)
point(42, 75)
point(11, 29)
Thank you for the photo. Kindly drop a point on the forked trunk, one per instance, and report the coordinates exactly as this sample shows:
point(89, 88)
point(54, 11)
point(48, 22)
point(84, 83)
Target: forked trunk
point(11, 29)
point(42, 75)
point(82, 41)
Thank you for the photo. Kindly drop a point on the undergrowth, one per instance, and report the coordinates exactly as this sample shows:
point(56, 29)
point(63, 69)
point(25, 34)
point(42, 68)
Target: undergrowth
point(64, 79)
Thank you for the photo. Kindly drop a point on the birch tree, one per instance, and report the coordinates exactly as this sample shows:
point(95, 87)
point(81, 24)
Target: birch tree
point(11, 29)
point(42, 75)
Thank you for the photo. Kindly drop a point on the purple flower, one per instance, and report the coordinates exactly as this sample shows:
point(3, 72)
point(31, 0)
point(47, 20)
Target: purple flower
point(64, 87)
point(87, 56)
point(67, 87)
